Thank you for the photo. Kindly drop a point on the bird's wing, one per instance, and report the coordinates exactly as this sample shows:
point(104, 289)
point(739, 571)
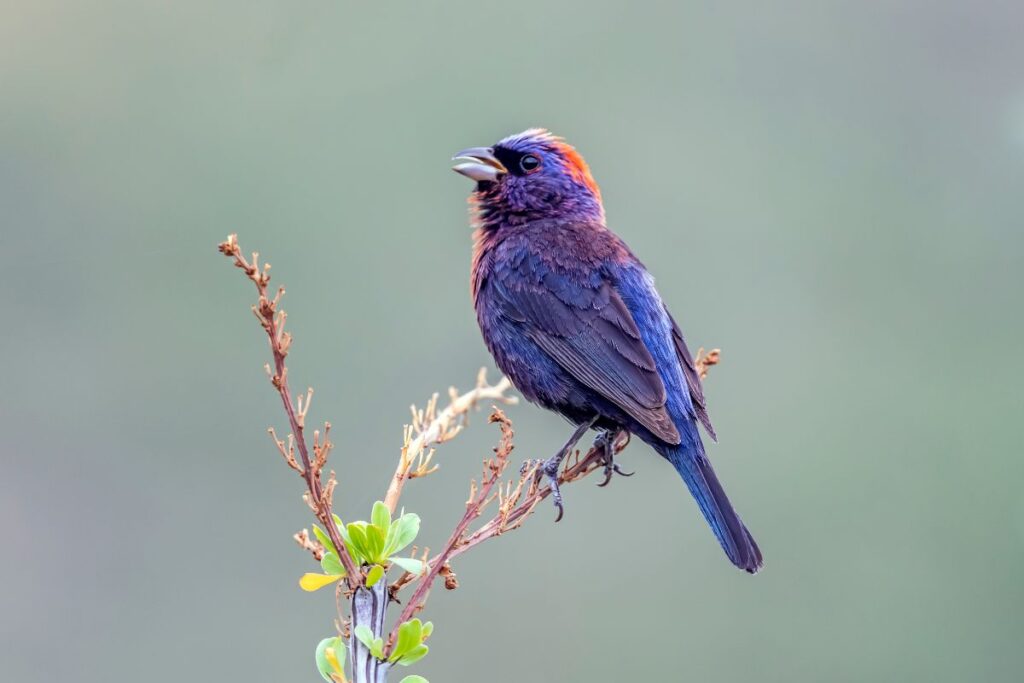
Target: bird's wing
point(587, 329)
point(692, 378)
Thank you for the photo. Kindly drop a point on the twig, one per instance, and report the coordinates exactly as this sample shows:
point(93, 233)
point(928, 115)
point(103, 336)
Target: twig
point(704, 361)
point(479, 497)
point(430, 428)
point(307, 543)
point(519, 505)
point(273, 321)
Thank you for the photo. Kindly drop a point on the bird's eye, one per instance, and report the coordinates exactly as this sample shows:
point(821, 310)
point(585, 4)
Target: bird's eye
point(529, 163)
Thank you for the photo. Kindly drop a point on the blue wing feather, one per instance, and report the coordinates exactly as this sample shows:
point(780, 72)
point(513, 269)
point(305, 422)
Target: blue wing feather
point(662, 337)
point(587, 329)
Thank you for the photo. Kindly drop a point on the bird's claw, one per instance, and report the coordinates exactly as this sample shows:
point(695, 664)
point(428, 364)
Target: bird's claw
point(606, 442)
point(547, 469)
point(613, 469)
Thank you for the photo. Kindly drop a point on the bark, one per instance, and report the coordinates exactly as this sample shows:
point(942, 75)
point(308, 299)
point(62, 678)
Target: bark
point(369, 606)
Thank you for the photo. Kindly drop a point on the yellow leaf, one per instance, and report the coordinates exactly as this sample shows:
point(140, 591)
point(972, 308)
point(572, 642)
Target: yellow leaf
point(312, 582)
point(374, 575)
point(332, 659)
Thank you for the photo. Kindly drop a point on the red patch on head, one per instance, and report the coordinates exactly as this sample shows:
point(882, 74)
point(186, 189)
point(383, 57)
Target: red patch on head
point(577, 167)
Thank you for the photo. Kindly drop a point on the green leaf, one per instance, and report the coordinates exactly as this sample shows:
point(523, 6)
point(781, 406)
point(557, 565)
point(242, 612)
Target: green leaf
point(364, 634)
point(375, 544)
point(324, 663)
point(381, 517)
point(409, 636)
point(414, 679)
point(342, 530)
point(347, 539)
point(389, 540)
point(413, 566)
point(404, 531)
point(414, 655)
point(375, 574)
point(331, 564)
point(313, 582)
point(324, 539)
point(428, 628)
point(357, 536)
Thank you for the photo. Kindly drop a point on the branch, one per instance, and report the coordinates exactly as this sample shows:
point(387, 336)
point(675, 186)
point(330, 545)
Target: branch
point(272, 319)
point(516, 500)
point(432, 428)
point(479, 497)
point(517, 505)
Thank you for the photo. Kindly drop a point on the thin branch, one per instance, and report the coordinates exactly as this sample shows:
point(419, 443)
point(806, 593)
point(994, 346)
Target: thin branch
point(479, 497)
point(430, 428)
point(307, 543)
point(516, 500)
point(526, 494)
point(272, 319)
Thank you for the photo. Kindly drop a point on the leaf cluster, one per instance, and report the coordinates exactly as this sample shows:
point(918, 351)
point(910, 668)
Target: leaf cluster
point(371, 544)
point(410, 647)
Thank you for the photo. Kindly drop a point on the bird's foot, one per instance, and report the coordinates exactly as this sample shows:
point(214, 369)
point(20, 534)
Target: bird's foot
point(548, 469)
point(606, 442)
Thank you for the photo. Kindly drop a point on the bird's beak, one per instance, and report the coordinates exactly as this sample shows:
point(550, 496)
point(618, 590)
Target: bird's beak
point(482, 166)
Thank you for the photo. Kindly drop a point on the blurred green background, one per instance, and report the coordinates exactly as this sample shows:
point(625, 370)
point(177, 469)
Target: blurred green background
point(829, 191)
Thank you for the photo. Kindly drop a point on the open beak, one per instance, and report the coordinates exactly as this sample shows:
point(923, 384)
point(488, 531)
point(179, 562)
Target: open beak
point(479, 164)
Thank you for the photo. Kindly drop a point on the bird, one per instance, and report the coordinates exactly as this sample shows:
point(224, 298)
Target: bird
point(574, 320)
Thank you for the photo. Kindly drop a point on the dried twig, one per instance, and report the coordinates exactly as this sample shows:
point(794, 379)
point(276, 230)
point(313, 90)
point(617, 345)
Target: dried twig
point(704, 361)
point(272, 319)
point(430, 428)
point(307, 543)
point(480, 495)
point(524, 496)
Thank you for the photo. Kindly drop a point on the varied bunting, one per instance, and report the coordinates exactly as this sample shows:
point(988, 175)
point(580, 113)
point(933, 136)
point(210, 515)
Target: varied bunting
point(573, 318)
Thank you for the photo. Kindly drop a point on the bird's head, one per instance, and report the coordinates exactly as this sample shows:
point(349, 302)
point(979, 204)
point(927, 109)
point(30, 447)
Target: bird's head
point(530, 176)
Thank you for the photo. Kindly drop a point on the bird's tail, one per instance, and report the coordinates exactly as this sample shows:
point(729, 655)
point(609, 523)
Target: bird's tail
point(693, 465)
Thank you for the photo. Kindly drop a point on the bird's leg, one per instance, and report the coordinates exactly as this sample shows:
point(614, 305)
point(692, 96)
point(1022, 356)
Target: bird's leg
point(606, 442)
point(549, 468)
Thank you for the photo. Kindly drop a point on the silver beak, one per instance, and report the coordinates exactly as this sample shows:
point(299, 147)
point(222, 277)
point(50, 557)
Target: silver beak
point(480, 164)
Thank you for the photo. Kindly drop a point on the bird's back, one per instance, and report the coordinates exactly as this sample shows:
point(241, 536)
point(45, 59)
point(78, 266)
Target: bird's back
point(555, 303)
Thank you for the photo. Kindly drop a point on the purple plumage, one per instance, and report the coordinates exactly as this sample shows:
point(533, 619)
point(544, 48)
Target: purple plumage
point(573, 318)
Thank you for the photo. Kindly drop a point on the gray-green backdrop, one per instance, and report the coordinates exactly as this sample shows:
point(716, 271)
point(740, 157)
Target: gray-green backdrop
point(829, 191)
